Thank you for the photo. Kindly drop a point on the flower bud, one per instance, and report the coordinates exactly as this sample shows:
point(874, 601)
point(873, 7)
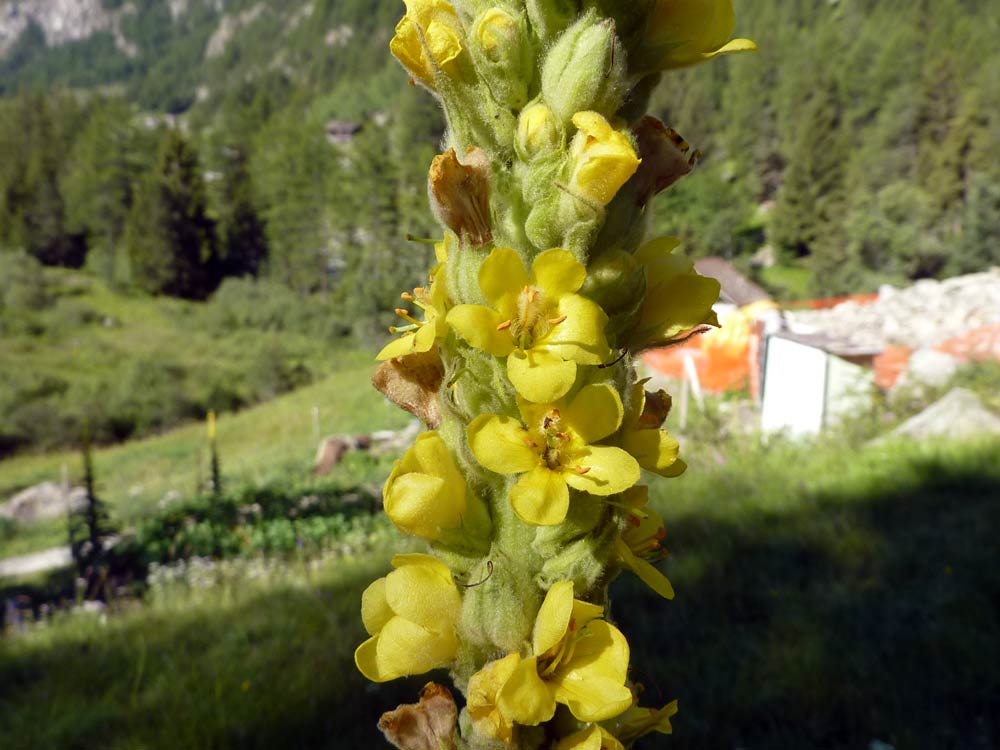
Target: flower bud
point(426, 495)
point(411, 616)
point(616, 282)
point(687, 32)
point(538, 132)
point(585, 69)
point(603, 159)
point(428, 40)
point(677, 299)
point(503, 55)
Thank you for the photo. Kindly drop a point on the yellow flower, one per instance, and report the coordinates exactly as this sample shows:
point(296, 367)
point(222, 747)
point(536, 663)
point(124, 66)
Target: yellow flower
point(687, 32)
point(653, 448)
point(481, 698)
point(425, 494)
point(428, 38)
point(594, 737)
point(577, 660)
point(411, 616)
point(420, 335)
point(677, 297)
point(638, 722)
point(639, 543)
point(551, 447)
point(603, 158)
point(537, 321)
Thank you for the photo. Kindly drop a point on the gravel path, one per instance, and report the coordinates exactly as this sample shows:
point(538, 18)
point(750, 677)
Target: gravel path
point(38, 562)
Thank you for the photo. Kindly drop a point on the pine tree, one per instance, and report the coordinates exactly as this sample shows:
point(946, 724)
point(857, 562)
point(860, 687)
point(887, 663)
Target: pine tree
point(90, 529)
point(811, 204)
point(170, 238)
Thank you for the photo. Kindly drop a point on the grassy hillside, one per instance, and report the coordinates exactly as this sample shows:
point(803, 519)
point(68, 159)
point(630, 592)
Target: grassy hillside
point(273, 440)
point(76, 354)
point(827, 596)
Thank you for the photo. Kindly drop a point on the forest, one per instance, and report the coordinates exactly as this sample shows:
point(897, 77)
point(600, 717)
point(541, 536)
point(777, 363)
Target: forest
point(857, 147)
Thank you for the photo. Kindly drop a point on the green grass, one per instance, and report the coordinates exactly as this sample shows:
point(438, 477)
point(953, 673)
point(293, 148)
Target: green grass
point(787, 283)
point(76, 355)
point(274, 439)
point(827, 596)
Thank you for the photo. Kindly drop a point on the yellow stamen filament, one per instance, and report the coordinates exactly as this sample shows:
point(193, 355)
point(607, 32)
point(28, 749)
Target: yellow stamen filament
point(407, 317)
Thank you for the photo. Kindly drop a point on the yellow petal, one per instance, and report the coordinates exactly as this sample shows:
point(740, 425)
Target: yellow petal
point(478, 325)
point(595, 412)
point(422, 505)
point(375, 610)
point(525, 698)
point(553, 617)
point(604, 158)
point(580, 336)
point(425, 561)
point(540, 497)
point(592, 683)
point(366, 660)
point(404, 647)
point(557, 272)
point(655, 450)
point(679, 305)
point(645, 570)
point(481, 697)
point(397, 348)
point(419, 593)
point(501, 444)
point(611, 470)
point(501, 278)
point(539, 375)
point(594, 737)
point(584, 612)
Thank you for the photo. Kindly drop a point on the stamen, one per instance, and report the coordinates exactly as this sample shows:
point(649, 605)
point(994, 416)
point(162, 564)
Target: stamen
point(403, 329)
point(556, 321)
point(505, 325)
point(581, 470)
point(407, 296)
point(406, 316)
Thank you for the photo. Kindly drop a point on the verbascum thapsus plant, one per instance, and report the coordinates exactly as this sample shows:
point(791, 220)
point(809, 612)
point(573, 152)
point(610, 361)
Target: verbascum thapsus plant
point(518, 355)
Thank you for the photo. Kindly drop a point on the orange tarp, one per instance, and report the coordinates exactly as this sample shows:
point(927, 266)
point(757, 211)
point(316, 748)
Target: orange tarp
point(976, 345)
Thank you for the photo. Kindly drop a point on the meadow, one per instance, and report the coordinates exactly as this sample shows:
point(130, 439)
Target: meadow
point(829, 594)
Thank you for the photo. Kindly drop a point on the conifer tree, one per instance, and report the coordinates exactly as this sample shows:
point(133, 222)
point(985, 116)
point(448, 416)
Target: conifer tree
point(170, 237)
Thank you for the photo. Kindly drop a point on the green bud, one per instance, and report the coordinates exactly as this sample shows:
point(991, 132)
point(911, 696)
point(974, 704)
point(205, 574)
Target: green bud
point(538, 132)
point(585, 70)
point(549, 18)
point(503, 55)
point(616, 282)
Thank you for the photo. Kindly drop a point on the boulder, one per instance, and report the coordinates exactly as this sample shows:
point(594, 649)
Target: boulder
point(959, 415)
point(45, 500)
point(928, 367)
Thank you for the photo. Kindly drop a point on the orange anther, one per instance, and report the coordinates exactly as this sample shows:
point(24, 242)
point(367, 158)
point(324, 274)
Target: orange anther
point(557, 321)
point(505, 325)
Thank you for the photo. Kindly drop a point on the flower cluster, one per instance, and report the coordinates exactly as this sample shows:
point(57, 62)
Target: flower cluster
point(518, 356)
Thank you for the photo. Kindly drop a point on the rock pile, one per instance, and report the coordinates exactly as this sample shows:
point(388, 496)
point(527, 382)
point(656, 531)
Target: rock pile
point(921, 316)
point(960, 415)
